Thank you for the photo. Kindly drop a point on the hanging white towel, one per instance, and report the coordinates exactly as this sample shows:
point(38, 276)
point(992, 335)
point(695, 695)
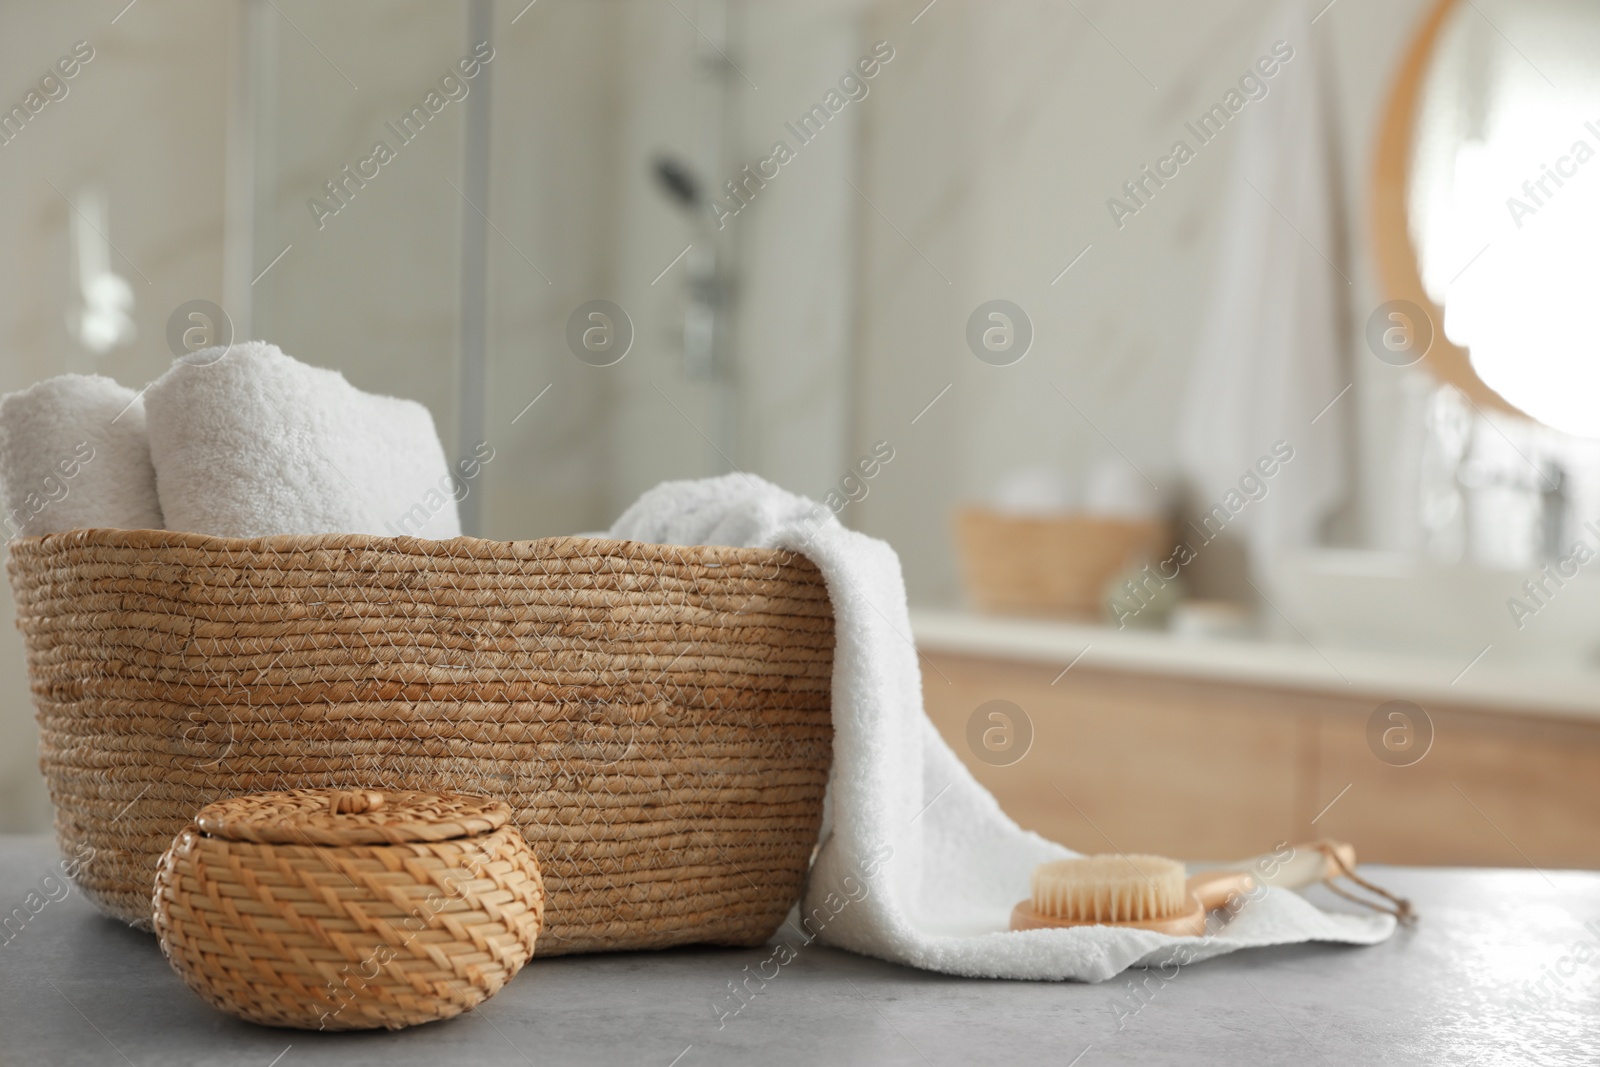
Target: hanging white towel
point(1271, 353)
point(918, 864)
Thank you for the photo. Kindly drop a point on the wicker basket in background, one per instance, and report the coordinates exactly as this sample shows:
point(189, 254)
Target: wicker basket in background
point(657, 717)
point(1055, 565)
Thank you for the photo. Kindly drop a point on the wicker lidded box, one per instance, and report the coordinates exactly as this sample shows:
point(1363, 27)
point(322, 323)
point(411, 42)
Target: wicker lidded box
point(329, 909)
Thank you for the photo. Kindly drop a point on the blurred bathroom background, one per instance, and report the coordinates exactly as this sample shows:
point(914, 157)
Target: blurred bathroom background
point(822, 318)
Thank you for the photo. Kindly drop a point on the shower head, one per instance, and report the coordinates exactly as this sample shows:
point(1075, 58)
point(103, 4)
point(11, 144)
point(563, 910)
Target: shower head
point(678, 182)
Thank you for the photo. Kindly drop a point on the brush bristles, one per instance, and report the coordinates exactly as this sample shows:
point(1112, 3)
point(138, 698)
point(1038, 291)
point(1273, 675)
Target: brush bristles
point(1108, 889)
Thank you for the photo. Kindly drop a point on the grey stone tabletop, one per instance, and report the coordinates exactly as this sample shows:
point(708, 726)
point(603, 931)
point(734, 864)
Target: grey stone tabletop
point(1504, 967)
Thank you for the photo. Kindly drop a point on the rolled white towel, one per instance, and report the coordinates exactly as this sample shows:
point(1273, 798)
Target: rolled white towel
point(249, 442)
point(73, 454)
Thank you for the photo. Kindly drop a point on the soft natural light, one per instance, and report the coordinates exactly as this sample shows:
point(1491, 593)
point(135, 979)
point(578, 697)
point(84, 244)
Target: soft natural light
point(1506, 209)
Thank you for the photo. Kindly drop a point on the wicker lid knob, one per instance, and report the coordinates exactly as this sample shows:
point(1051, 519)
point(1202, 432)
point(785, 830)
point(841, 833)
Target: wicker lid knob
point(354, 801)
point(351, 817)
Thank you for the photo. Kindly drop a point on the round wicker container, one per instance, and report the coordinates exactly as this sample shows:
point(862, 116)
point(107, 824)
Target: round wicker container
point(1057, 565)
point(348, 910)
point(657, 718)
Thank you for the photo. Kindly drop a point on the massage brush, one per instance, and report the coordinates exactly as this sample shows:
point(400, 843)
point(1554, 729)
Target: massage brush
point(1153, 893)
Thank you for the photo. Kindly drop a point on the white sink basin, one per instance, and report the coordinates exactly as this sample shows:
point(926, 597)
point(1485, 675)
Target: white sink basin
point(1397, 603)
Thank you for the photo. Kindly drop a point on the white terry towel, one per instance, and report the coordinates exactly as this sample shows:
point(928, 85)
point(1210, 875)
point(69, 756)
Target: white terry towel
point(918, 864)
point(73, 454)
point(248, 442)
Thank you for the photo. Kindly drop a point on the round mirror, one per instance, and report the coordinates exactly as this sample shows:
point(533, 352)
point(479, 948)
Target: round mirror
point(1486, 203)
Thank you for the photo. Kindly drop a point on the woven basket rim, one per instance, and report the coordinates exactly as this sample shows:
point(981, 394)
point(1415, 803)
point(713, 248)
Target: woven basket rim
point(301, 816)
point(479, 547)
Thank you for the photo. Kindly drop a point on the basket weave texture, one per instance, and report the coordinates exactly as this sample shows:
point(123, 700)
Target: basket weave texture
point(360, 929)
point(656, 717)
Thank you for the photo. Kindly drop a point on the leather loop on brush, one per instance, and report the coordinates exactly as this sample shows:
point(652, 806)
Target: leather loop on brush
point(1402, 909)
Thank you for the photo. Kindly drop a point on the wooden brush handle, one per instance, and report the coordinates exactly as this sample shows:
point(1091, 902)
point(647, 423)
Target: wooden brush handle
point(1307, 864)
point(1213, 888)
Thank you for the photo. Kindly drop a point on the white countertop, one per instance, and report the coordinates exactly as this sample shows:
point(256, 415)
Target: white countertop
point(1547, 690)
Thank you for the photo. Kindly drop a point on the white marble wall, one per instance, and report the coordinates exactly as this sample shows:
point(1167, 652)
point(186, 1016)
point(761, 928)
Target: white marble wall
point(790, 310)
point(983, 155)
point(993, 145)
point(143, 121)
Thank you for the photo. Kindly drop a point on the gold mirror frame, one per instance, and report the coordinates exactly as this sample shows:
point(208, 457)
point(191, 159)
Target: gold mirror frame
point(1399, 276)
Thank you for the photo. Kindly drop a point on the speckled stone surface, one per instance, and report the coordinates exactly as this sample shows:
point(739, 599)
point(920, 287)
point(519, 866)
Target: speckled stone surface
point(76, 989)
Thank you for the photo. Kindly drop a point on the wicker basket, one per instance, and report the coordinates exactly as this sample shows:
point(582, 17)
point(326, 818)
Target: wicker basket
point(657, 717)
point(348, 910)
point(1026, 565)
